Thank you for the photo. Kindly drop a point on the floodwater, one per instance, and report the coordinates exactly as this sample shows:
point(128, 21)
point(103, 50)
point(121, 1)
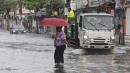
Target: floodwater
point(33, 53)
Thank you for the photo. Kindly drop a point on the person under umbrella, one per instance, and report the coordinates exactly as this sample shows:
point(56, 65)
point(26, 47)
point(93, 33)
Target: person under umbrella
point(60, 45)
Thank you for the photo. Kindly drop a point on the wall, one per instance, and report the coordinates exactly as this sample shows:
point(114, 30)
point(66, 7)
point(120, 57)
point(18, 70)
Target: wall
point(127, 36)
point(128, 21)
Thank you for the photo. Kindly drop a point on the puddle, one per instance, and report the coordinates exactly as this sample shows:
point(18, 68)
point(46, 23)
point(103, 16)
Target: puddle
point(8, 69)
point(79, 51)
point(118, 51)
point(28, 46)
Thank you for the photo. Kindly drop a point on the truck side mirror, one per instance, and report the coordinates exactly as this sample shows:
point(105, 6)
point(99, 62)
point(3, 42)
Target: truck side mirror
point(80, 24)
point(80, 21)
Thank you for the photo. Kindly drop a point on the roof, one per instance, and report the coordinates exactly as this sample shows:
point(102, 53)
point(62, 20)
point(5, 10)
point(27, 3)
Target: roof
point(104, 14)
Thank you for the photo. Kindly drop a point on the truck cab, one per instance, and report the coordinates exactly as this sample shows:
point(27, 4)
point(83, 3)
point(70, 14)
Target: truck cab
point(96, 30)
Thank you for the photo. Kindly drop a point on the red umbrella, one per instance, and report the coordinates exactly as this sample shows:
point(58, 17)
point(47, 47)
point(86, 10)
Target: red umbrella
point(54, 22)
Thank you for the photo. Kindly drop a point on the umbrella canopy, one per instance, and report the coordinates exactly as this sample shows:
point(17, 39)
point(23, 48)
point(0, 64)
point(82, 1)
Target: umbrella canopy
point(54, 22)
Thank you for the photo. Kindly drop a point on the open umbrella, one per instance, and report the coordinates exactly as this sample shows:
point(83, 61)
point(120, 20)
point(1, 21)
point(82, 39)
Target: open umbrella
point(53, 22)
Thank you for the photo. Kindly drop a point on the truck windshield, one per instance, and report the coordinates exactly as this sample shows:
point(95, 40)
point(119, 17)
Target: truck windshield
point(94, 22)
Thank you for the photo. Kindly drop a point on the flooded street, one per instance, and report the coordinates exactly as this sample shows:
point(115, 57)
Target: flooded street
point(100, 61)
point(33, 53)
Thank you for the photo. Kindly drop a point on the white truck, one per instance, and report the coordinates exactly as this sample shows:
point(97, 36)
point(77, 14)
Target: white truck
point(96, 30)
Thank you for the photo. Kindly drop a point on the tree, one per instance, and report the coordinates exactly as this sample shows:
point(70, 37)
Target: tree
point(1, 6)
point(6, 6)
point(33, 4)
point(51, 5)
point(54, 5)
point(36, 5)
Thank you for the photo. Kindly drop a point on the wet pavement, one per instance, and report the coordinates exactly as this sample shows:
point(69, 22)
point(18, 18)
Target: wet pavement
point(32, 53)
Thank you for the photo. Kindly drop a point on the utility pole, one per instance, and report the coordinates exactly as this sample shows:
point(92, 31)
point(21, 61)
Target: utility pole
point(121, 34)
point(119, 14)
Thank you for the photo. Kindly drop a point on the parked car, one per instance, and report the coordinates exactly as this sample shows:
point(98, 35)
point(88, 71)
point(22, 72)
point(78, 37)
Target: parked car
point(17, 29)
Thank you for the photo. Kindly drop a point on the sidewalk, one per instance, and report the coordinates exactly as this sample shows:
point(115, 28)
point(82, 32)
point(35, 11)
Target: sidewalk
point(127, 43)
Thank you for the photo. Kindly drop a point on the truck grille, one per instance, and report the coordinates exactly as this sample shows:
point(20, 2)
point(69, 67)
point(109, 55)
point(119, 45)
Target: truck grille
point(99, 41)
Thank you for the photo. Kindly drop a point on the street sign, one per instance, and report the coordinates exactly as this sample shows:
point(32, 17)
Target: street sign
point(81, 4)
point(73, 6)
point(96, 2)
point(38, 13)
point(41, 12)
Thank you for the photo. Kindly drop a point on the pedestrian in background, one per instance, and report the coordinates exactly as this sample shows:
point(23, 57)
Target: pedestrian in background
point(60, 46)
point(71, 21)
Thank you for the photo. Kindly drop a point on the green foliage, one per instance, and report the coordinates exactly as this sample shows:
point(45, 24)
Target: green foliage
point(33, 4)
point(6, 5)
point(54, 5)
point(2, 8)
point(51, 5)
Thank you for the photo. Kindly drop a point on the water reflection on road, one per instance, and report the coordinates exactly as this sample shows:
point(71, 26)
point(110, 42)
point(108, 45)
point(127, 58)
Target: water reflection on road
point(99, 61)
point(32, 53)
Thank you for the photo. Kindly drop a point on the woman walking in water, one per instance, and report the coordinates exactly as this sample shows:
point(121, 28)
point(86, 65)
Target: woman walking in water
point(60, 46)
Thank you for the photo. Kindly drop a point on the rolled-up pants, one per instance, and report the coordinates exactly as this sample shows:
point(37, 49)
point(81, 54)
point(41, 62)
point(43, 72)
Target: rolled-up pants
point(59, 54)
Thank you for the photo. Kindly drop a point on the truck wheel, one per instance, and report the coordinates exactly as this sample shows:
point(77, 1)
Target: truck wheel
point(77, 42)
